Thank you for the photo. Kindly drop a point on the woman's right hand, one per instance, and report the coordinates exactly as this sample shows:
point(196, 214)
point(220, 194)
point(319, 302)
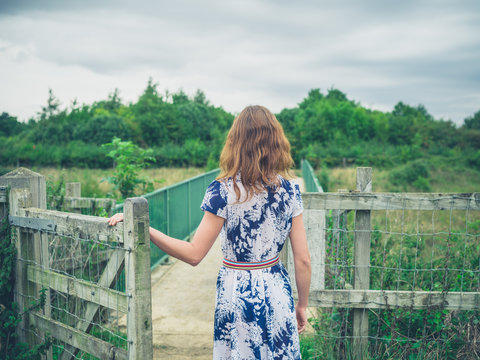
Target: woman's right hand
point(301, 313)
point(115, 219)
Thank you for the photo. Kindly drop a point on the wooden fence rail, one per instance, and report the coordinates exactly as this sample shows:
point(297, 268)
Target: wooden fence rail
point(73, 201)
point(359, 297)
point(128, 248)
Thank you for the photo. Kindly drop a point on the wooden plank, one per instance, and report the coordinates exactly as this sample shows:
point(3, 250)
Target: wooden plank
point(66, 264)
point(391, 201)
point(362, 264)
point(80, 226)
point(84, 342)
point(137, 274)
point(82, 289)
point(390, 299)
point(88, 203)
point(113, 269)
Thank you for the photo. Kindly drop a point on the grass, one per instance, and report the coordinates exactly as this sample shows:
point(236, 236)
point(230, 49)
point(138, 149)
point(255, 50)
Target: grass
point(441, 179)
point(93, 187)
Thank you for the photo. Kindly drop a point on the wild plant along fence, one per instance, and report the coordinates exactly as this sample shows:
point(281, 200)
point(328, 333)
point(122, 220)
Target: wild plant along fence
point(175, 209)
point(71, 263)
point(401, 275)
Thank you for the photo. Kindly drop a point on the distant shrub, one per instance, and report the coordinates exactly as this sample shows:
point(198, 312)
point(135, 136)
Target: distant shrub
point(474, 160)
point(413, 174)
point(422, 184)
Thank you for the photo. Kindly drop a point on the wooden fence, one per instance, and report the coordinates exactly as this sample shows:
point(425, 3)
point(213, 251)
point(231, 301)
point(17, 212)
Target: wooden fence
point(82, 310)
point(359, 296)
point(73, 201)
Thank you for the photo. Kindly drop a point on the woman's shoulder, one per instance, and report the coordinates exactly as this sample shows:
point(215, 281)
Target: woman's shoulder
point(225, 182)
point(221, 185)
point(288, 183)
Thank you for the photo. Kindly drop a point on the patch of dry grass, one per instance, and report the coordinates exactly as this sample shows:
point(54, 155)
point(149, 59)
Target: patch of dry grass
point(345, 178)
point(93, 187)
point(441, 180)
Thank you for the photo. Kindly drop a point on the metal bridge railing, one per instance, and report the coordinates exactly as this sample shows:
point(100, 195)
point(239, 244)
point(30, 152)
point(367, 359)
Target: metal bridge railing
point(175, 209)
point(309, 178)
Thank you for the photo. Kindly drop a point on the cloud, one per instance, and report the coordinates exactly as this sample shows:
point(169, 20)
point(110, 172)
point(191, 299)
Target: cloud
point(270, 51)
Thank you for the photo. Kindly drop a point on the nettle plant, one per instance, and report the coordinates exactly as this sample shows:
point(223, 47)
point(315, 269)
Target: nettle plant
point(129, 160)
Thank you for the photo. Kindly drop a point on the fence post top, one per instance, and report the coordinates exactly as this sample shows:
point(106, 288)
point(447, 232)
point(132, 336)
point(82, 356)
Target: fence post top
point(21, 172)
point(137, 203)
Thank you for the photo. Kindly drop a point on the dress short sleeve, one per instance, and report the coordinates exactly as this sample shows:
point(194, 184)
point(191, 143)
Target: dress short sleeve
point(297, 201)
point(215, 199)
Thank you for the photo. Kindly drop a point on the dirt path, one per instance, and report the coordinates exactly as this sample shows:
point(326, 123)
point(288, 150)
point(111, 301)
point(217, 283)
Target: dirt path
point(183, 303)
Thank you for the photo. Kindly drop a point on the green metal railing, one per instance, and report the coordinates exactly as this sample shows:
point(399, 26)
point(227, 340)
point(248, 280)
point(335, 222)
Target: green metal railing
point(311, 182)
point(175, 210)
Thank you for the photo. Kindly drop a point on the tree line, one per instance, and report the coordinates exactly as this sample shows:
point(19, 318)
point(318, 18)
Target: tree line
point(327, 128)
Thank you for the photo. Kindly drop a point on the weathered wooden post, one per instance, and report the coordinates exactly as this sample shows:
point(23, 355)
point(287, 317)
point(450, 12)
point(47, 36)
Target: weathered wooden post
point(362, 265)
point(137, 275)
point(28, 189)
point(73, 189)
point(339, 225)
point(3, 202)
point(314, 221)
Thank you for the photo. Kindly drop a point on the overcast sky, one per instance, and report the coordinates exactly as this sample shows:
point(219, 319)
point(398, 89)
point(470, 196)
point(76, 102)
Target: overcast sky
point(269, 52)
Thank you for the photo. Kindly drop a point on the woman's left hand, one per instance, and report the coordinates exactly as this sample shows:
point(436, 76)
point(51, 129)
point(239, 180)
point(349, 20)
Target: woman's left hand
point(301, 313)
point(115, 219)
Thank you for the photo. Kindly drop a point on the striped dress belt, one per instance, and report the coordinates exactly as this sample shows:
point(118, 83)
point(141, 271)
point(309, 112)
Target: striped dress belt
point(250, 265)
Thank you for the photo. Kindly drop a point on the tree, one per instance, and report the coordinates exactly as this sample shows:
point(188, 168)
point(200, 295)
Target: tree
point(9, 125)
point(52, 108)
point(473, 122)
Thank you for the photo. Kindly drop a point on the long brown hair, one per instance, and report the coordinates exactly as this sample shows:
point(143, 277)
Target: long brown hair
point(257, 149)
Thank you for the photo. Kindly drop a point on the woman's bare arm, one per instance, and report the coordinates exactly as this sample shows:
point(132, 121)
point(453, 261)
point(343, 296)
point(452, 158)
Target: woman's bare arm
point(191, 252)
point(303, 270)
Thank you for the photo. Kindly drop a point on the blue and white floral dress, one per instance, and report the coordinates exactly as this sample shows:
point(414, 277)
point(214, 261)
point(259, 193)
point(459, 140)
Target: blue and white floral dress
point(254, 313)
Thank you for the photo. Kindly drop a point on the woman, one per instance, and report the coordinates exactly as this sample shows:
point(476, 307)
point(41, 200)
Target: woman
point(254, 206)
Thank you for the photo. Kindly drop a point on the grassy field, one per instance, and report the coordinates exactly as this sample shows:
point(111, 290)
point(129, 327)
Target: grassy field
point(440, 180)
point(91, 179)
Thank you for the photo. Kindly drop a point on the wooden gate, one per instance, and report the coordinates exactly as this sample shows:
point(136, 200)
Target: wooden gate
point(94, 279)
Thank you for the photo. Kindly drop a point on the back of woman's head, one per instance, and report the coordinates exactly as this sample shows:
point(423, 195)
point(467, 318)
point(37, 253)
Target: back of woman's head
point(257, 149)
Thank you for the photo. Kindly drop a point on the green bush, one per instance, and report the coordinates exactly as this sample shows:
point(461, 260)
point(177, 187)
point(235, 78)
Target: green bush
point(413, 174)
point(474, 160)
